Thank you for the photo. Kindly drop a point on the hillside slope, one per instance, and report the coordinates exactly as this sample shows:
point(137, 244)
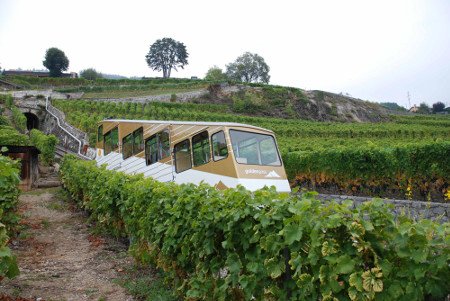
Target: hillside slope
point(245, 99)
point(284, 102)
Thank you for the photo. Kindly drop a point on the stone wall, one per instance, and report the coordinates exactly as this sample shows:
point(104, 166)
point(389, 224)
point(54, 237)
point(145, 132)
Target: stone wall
point(180, 97)
point(414, 209)
point(48, 122)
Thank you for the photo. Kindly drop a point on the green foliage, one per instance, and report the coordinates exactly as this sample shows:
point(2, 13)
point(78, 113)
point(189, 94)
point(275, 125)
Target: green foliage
point(239, 245)
point(215, 74)
point(10, 136)
point(143, 284)
point(90, 74)
point(424, 108)
point(249, 67)
point(438, 107)
point(55, 61)
point(9, 192)
point(247, 102)
point(19, 119)
point(7, 100)
point(8, 263)
point(393, 106)
point(46, 144)
point(309, 141)
point(423, 169)
point(167, 54)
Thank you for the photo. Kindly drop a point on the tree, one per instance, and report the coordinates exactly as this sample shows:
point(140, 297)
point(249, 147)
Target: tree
point(438, 107)
point(249, 67)
point(167, 54)
point(216, 74)
point(55, 61)
point(90, 74)
point(393, 106)
point(423, 108)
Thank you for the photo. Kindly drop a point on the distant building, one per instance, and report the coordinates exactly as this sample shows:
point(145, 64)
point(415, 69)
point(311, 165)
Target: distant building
point(37, 73)
point(414, 109)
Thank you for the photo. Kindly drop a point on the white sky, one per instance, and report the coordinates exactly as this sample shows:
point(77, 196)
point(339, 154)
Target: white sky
point(375, 50)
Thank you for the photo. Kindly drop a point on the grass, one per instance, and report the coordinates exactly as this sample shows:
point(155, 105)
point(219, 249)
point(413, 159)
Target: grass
point(45, 223)
point(145, 285)
point(137, 93)
point(40, 191)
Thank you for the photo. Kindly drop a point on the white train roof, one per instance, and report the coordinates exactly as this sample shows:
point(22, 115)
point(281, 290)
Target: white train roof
point(204, 123)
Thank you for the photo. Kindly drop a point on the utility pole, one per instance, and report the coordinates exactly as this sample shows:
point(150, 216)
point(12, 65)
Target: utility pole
point(409, 100)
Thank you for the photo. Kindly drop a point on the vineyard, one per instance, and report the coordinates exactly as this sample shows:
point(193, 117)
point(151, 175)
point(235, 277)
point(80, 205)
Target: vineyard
point(238, 245)
point(408, 157)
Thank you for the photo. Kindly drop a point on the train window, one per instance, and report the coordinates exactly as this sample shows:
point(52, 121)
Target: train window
point(138, 141)
point(219, 146)
point(182, 153)
point(157, 147)
point(107, 143)
point(100, 133)
point(164, 144)
point(127, 146)
point(114, 139)
point(253, 148)
point(201, 152)
point(151, 150)
point(111, 140)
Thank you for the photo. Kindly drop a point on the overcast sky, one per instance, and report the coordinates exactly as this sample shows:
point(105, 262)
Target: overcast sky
point(373, 50)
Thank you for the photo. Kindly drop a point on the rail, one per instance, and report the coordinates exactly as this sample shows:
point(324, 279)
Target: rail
point(67, 132)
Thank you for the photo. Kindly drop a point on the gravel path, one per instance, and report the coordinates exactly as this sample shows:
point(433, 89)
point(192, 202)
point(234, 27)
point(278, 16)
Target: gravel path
point(59, 259)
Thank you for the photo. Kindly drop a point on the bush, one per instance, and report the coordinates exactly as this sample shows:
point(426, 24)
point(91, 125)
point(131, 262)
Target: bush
point(236, 245)
point(46, 144)
point(10, 136)
point(9, 193)
point(19, 119)
point(423, 168)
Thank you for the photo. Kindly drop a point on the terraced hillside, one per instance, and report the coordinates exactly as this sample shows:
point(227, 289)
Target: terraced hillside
point(250, 99)
point(398, 156)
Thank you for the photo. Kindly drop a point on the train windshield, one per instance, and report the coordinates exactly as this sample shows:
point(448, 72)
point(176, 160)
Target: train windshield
point(255, 149)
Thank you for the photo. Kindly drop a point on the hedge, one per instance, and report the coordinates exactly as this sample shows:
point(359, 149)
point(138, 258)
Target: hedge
point(46, 144)
point(423, 168)
point(9, 193)
point(241, 245)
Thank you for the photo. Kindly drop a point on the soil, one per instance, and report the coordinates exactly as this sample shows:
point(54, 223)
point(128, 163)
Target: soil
point(59, 258)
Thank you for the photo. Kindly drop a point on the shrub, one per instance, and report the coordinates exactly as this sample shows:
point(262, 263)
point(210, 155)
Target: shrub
point(10, 136)
point(9, 179)
point(9, 192)
point(236, 245)
point(46, 144)
point(19, 119)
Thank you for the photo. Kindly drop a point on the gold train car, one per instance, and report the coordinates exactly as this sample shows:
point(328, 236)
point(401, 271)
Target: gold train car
point(221, 154)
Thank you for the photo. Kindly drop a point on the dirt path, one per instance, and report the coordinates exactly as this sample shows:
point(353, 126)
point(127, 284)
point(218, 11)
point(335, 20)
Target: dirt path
point(59, 259)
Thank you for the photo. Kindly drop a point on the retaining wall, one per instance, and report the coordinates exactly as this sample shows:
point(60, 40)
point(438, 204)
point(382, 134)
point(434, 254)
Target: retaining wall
point(414, 209)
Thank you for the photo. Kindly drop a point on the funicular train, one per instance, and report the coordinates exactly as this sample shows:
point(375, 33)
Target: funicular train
point(223, 155)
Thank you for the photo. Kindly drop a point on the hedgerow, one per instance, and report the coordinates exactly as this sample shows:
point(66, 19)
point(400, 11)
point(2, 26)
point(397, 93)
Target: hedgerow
point(9, 193)
point(419, 171)
point(46, 144)
point(239, 245)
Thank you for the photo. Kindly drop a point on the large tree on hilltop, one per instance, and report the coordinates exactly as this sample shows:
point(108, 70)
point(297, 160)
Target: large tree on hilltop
point(167, 54)
point(55, 61)
point(249, 67)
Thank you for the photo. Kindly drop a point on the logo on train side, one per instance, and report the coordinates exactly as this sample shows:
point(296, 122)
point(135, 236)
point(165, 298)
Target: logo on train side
point(273, 174)
point(255, 172)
